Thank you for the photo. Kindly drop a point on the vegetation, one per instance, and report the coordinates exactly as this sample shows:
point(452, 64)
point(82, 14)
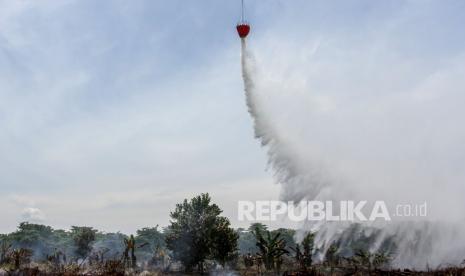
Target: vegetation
point(272, 248)
point(83, 237)
point(197, 239)
point(304, 252)
point(198, 232)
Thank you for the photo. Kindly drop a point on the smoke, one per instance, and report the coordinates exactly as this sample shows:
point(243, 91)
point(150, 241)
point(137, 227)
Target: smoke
point(32, 214)
point(403, 147)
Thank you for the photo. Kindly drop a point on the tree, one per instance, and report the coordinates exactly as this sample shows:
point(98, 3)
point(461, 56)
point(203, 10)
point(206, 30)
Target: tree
point(197, 231)
point(287, 235)
point(29, 234)
point(304, 251)
point(224, 242)
point(130, 247)
point(332, 256)
point(370, 261)
point(257, 225)
point(39, 238)
point(307, 246)
point(366, 259)
point(83, 237)
point(5, 248)
point(150, 235)
point(381, 259)
point(272, 247)
point(20, 256)
point(246, 242)
point(148, 240)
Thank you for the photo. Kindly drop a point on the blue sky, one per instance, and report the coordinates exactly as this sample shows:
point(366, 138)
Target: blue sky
point(113, 111)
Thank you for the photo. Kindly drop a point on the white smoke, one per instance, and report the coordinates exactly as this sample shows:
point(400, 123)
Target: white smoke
point(282, 158)
point(32, 214)
point(405, 147)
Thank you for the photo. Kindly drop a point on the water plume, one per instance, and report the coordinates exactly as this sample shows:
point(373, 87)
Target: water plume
point(365, 151)
point(281, 157)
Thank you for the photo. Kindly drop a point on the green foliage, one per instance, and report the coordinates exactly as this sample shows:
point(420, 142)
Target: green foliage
point(287, 235)
point(363, 258)
point(360, 238)
point(196, 231)
point(147, 241)
point(61, 239)
point(110, 245)
point(20, 256)
point(304, 251)
point(258, 226)
point(224, 240)
point(5, 248)
point(150, 235)
point(381, 260)
point(247, 243)
point(29, 235)
point(307, 246)
point(370, 261)
point(41, 239)
point(83, 238)
point(272, 247)
point(332, 256)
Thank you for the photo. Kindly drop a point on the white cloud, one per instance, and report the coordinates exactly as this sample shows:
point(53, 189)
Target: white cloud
point(32, 214)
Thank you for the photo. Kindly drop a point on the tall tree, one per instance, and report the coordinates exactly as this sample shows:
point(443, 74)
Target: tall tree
point(198, 232)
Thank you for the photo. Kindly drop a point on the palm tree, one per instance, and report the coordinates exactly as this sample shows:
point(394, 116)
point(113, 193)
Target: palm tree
point(304, 251)
point(271, 246)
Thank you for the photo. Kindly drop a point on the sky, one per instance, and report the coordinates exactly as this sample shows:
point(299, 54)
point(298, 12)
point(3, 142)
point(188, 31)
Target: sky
point(111, 112)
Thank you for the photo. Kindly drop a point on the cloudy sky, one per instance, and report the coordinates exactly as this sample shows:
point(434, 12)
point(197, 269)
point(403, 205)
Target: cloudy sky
point(111, 112)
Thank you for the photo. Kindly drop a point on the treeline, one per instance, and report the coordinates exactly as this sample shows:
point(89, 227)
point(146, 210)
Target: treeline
point(198, 238)
point(77, 243)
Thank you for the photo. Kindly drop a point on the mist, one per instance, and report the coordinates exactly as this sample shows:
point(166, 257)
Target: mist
point(376, 127)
